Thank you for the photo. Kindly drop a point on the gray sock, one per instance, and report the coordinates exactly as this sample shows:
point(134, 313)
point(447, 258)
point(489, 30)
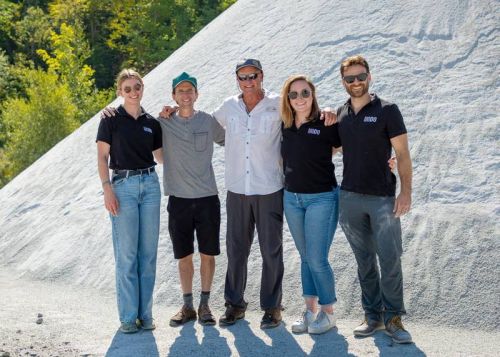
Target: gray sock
point(204, 296)
point(188, 300)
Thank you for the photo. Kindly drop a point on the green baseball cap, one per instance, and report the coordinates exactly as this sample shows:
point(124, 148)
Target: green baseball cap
point(184, 77)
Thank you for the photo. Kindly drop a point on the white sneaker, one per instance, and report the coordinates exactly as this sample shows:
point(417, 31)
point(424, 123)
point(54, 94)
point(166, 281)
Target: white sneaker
point(303, 323)
point(324, 322)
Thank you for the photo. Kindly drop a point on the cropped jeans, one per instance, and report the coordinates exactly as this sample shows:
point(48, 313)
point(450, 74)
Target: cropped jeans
point(312, 220)
point(135, 242)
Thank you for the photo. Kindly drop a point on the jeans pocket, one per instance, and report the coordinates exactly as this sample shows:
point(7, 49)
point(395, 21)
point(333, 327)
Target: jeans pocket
point(200, 141)
point(117, 181)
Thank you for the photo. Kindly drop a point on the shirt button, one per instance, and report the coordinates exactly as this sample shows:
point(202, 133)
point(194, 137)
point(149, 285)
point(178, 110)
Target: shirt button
point(248, 172)
point(247, 142)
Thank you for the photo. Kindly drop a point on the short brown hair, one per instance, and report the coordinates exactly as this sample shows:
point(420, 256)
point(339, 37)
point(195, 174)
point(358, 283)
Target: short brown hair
point(351, 61)
point(286, 111)
point(124, 75)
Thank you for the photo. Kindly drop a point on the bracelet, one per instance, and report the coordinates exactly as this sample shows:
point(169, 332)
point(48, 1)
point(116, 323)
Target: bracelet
point(107, 182)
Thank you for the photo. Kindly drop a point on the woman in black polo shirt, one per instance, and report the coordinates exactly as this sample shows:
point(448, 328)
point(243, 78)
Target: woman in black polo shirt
point(132, 197)
point(310, 198)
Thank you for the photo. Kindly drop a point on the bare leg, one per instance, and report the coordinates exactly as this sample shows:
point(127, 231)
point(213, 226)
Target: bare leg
point(207, 269)
point(186, 272)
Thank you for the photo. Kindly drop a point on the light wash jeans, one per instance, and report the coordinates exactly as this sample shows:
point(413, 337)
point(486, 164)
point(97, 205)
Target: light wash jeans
point(312, 219)
point(135, 242)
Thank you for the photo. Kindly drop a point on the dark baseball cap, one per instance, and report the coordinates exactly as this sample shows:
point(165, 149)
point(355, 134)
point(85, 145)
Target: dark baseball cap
point(184, 77)
point(248, 62)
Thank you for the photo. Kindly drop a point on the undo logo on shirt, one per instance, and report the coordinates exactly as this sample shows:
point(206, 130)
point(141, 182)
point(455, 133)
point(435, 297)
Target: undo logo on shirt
point(147, 130)
point(370, 120)
point(313, 131)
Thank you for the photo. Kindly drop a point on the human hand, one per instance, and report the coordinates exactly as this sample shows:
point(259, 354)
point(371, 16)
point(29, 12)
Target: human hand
point(108, 112)
point(393, 163)
point(328, 116)
point(402, 204)
point(167, 111)
point(110, 200)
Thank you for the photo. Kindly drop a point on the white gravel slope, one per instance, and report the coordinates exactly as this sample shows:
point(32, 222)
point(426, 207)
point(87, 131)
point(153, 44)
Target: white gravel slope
point(437, 61)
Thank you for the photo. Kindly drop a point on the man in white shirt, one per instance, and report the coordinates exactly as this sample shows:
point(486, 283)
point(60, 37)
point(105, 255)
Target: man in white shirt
point(254, 182)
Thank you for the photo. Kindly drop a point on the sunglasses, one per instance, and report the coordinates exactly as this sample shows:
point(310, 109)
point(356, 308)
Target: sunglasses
point(137, 87)
point(360, 77)
point(247, 77)
point(304, 93)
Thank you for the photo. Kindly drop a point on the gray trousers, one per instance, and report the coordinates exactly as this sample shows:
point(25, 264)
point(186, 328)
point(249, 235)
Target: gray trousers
point(372, 230)
point(244, 214)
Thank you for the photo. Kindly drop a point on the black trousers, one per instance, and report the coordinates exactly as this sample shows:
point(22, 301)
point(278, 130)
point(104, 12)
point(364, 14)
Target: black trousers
point(244, 214)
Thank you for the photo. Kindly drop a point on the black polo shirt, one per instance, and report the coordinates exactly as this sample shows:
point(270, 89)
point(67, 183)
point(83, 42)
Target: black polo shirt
point(307, 157)
point(132, 140)
point(367, 147)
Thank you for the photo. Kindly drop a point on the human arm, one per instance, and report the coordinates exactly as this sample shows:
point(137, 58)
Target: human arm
point(110, 201)
point(403, 200)
point(219, 132)
point(158, 154)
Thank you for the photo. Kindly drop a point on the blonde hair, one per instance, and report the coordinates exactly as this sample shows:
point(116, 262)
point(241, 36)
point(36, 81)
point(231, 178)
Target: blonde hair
point(286, 111)
point(124, 75)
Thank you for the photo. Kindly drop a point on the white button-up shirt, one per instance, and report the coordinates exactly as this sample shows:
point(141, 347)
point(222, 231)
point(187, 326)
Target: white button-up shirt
point(252, 148)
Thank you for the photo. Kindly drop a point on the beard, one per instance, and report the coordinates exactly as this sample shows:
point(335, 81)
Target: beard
point(358, 92)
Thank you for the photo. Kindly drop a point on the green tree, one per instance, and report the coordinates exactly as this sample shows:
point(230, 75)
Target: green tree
point(9, 12)
point(37, 123)
point(69, 54)
point(32, 32)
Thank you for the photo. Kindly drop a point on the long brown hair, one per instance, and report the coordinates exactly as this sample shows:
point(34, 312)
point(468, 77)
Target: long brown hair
point(286, 111)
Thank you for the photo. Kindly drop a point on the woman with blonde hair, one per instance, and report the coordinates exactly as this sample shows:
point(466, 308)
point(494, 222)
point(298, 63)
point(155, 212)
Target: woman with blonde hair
point(310, 198)
point(125, 145)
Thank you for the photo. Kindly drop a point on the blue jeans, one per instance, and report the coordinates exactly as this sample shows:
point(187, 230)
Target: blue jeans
point(312, 219)
point(135, 242)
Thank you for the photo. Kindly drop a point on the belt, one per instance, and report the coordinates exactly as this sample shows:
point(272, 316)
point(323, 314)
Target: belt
point(119, 174)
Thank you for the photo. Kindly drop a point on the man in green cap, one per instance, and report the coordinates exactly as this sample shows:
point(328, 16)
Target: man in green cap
point(193, 204)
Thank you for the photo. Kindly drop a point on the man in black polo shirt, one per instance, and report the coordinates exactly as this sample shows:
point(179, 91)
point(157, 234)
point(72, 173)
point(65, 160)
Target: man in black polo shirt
point(369, 128)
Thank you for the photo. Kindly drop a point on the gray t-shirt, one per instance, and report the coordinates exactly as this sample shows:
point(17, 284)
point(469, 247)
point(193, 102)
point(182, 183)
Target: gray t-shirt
point(187, 154)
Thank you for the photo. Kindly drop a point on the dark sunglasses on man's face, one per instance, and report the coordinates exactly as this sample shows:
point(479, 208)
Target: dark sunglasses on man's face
point(137, 87)
point(360, 77)
point(247, 77)
point(304, 93)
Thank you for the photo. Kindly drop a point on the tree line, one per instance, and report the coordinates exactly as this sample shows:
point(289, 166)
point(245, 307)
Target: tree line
point(59, 58)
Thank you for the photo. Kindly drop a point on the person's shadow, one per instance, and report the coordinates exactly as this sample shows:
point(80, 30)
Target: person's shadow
point(142, 343)
point(388, 348)
point(187, 345)
point(248, 344)
point(330, 343)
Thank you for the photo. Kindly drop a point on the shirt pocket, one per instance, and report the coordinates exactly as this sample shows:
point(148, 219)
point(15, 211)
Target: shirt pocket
point(200, 141)
point(269, 124)
point(235, 126)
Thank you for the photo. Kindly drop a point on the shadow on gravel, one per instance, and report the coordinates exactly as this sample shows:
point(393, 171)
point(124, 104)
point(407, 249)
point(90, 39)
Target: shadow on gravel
point(330, 343)
point(187, 344)
point(248, 344)
point(142, 343)
point(388, 348)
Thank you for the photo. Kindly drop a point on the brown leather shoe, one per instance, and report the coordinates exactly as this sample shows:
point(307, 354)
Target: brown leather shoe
point(271, 318)
point(205, 316)
point(232, 314)
point(186, 314)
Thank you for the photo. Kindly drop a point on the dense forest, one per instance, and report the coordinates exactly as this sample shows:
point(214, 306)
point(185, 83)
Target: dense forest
point(59, 58)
